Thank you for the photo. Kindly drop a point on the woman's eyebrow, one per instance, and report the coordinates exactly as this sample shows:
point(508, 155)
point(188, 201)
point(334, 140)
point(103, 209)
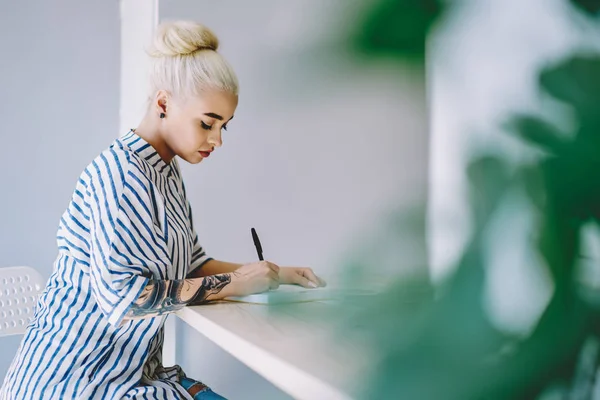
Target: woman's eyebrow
point(213, 115)
point(216, 116)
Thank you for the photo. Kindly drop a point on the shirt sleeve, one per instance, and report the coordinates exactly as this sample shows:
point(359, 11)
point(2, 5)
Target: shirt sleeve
point(127, 248)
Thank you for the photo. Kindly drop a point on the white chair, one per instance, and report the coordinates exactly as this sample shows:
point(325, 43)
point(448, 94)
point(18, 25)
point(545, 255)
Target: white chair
point(19, 290)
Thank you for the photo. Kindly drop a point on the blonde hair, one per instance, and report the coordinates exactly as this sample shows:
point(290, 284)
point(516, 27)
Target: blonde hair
point(185, 62)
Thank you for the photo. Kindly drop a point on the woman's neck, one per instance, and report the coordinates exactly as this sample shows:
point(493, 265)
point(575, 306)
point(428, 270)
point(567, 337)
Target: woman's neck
point(149, 131)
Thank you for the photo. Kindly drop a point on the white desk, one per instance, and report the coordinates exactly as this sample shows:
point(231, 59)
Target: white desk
point(283, 346)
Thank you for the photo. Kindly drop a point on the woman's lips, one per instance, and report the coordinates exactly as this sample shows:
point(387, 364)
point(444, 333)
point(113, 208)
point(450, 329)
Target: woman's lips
point(204, 154)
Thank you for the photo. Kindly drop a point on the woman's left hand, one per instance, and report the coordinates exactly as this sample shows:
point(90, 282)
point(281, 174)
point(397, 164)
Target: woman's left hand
point(300, 276)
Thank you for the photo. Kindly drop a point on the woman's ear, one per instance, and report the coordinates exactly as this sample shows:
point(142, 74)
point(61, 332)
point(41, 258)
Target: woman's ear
point(161, 101)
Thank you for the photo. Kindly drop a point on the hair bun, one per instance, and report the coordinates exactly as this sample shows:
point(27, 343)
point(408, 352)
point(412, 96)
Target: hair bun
point(182, 37)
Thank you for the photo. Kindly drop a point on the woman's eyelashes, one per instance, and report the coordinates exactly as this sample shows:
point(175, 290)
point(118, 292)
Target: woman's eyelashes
point(209, 127)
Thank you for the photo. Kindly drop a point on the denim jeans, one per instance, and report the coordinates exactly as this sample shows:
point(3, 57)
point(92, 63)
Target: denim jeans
point(205, 393)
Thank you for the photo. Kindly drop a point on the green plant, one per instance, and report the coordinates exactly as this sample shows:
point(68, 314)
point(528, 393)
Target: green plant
point(447, 348)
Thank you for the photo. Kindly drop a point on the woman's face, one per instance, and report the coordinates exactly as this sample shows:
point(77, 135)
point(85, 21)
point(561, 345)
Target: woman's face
point(192, 129)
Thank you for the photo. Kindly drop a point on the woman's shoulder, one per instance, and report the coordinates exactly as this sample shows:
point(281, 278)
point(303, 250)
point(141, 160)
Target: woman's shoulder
point(116, 165)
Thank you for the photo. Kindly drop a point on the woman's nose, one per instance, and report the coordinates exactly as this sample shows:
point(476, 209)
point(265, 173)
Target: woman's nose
point(216, 139)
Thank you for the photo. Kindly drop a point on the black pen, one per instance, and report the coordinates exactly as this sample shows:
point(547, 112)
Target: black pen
point(257, 244)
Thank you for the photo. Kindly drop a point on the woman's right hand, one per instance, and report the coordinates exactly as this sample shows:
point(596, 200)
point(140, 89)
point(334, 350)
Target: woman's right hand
point(254, 278)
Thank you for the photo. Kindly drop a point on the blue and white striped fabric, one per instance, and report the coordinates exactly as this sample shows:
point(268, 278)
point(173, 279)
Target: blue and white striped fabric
point(128, 221)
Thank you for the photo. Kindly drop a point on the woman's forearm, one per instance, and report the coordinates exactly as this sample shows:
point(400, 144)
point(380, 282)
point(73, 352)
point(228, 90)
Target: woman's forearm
point(214, 267)
point(210, 282)
point(164, 296)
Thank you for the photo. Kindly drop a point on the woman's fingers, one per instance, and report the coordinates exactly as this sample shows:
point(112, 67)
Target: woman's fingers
point(308, 274)
point(304, 282)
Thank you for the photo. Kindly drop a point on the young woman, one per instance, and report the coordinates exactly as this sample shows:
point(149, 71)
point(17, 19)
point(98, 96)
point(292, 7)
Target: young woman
point(128, 251)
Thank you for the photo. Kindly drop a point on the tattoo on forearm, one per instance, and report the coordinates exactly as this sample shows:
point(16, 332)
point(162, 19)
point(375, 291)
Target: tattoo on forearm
point(163, 296)
point(211, 285)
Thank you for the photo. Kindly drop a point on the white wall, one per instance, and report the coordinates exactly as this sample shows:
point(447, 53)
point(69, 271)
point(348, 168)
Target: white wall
point(322, 146)
point(59, 83)
point(139, 19)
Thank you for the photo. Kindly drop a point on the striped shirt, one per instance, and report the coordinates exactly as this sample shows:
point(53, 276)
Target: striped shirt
point(128, 221)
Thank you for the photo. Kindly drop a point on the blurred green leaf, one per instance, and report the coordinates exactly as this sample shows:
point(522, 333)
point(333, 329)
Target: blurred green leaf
point(570, 172)
point(443, 346)
point(576, 81)
point(398, 27)
point(589, 6)
point(539, 133)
